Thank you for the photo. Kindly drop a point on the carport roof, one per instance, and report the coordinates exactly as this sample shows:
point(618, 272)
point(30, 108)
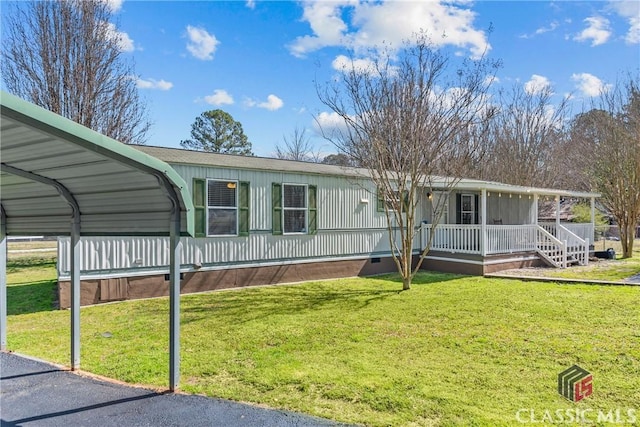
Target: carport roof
point(51, 166)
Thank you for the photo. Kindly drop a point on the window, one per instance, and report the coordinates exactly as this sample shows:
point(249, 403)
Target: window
point(440, 207)
point(294, 208)
point(221, 207)
point(466, 209)
point(388, 203)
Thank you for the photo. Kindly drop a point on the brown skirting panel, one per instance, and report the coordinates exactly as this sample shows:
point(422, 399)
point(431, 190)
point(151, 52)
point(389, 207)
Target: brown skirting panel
point(477, 265)
point(96, 291)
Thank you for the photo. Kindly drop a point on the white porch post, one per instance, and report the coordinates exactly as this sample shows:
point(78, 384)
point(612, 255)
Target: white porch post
point(557, 210)
point(593, 220)
point(483, 222)
point(535, 211)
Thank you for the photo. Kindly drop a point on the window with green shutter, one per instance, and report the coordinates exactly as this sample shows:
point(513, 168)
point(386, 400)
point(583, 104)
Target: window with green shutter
point(380, 205)
point(221, 207)
point(200, 208)
point(295, 208)
point(313, 209)
point(243, 209)
point(276, 203)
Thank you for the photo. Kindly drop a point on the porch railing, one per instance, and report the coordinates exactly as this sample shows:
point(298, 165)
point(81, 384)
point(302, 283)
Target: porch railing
point(585, 231)
point(458, 238)
point(577, 247)
point(557, 245)
point(505, 239)
point(551, 248)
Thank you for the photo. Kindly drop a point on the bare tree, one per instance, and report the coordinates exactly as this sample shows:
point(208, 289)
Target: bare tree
point(66, 56)
point(526, 136)
point(607, 141)
point(298, 147)
point(407, 120)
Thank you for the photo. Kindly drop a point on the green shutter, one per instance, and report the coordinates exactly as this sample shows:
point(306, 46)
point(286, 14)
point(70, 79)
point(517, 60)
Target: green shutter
point(380, 205)
point(276, 201)
point(243, 209)
point(200, 206)
point(313, 209)
point(458, 208)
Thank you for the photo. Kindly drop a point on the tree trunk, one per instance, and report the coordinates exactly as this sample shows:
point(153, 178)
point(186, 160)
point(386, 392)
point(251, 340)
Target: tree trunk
point(627, 234)
point(406, 283)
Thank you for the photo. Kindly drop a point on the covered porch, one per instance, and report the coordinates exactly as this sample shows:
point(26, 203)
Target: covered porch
point(480, 220)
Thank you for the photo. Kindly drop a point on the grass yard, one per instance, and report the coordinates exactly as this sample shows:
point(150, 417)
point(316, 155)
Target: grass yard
point(452, 351)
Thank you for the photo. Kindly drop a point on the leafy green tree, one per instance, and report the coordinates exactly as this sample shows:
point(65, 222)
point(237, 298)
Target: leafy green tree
point(339, 159)
point(217, 132)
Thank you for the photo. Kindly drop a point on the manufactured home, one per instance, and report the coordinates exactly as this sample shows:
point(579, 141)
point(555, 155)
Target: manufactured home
point(265, 221)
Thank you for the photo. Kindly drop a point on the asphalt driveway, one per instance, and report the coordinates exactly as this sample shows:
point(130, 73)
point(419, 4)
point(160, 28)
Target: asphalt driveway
point(34, 393)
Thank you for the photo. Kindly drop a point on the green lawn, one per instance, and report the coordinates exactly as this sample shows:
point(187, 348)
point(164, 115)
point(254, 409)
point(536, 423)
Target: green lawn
point(452, 351)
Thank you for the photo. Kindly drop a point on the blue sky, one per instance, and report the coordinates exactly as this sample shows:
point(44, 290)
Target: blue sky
point(259, 60)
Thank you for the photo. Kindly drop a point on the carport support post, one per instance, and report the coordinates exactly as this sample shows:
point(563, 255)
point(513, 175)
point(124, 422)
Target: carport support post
point(75, 294)
point(174, 300)
point(3, 280)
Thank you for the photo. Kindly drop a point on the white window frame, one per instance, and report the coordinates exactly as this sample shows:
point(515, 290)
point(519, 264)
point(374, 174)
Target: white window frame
point(305, 209)
point(237, 184)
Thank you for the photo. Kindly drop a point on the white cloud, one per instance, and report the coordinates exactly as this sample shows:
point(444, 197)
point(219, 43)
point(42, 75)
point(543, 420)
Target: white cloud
point(343, 63)
point(330, 125)
point(552, 26)
point(590, 85)
point(537, 84)
point(373, 24)
point(153, 84)
point(201, 45)
point(598, 31)
point(219, 97)
point(251, 4)
point(631, 11)
point(114, 5)
point(125, 43)
point(272, 103)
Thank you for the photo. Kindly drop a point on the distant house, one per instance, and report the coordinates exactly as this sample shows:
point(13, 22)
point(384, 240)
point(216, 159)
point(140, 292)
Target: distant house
point(265, 221)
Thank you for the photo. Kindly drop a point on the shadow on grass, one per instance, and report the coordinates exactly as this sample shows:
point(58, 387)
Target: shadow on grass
point(18, 264)
point(32, 297)
point(257, 303)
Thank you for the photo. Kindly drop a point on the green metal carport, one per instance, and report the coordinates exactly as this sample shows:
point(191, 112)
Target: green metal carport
point(59, 178)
